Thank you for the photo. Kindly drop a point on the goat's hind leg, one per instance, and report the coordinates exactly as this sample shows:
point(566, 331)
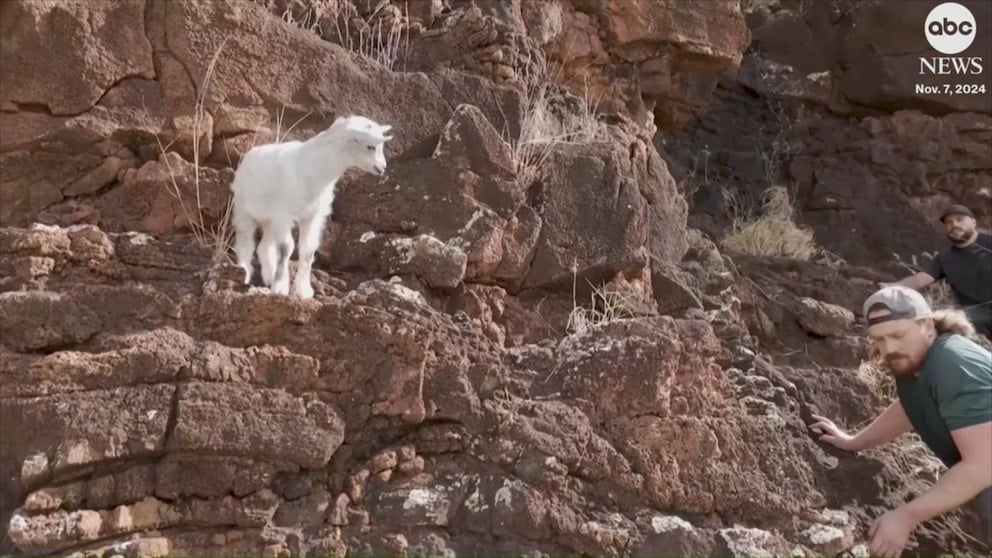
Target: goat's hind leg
point(310, 233)
point(244, 239)
point(276, 248)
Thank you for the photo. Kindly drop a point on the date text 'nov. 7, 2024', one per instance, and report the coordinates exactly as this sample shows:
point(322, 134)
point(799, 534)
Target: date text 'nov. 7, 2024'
point(951, 89)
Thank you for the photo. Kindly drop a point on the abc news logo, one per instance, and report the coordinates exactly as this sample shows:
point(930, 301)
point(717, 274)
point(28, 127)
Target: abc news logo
point(950, 29)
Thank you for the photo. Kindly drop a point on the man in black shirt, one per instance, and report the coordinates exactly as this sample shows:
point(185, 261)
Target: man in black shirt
point(966, 265)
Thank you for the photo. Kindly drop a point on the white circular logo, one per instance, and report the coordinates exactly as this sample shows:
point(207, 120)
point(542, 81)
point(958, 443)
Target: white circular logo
point(950, 28)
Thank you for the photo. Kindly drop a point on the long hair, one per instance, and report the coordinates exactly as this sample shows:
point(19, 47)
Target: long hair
point(951, 320)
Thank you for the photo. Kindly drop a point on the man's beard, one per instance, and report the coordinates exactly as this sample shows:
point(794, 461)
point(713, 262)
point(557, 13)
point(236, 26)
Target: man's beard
point(901, 365)
point(959, 236)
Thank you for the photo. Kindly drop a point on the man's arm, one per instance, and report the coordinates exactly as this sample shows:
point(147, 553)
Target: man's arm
point(889, 425)
point(922, 279)
point(964, 480)
point(917, 281)
point(964, 395)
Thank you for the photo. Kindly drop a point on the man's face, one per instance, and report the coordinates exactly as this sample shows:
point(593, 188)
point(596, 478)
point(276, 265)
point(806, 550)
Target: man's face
point(959, 228)
point(902, 344)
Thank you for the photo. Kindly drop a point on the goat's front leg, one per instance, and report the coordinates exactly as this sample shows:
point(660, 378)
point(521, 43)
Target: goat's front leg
point(244, 239)
point(310, 234)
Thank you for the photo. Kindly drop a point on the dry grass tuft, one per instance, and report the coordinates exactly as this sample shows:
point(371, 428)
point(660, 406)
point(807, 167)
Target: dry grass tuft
point(939, 295)
point(543, 128)
point(773, 232)
point(607, 304)
point(383, 37)
point(872, 372)
point(216, 238)
point(308, 20)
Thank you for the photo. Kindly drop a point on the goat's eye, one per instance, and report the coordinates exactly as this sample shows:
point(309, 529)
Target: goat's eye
point(370, 147)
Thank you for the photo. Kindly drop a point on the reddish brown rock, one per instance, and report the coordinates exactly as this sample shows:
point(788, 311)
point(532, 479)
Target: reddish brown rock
point(881, 44)
point(821, 318)
point(153, 405)
point(247, 425)
point(166, 196)
point(594, 220)
point(196, 419)
point(882, 181)
point(676, 51)
point(92, 40)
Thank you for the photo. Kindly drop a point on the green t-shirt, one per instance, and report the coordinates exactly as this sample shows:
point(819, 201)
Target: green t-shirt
point(953, 390)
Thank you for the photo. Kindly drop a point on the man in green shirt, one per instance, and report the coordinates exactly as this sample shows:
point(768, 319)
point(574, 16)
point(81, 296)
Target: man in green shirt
point(944, 382)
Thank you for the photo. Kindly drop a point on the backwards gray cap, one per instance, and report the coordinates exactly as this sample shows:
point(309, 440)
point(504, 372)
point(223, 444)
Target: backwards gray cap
point(903, 303)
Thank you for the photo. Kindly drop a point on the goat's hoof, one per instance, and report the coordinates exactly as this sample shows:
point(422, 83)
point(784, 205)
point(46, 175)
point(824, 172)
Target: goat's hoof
point(280, 289)
point(305, 292)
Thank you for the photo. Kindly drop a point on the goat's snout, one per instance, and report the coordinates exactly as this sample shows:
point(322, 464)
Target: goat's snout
point(380, 170)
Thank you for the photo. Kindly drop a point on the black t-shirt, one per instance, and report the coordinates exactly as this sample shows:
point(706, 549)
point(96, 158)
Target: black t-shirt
point(968, 270)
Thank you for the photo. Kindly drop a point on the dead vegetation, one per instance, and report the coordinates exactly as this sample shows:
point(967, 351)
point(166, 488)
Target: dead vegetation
point(607, 304)
point(769, 228)
point(872, 371)
point(772, 232)
point(545, 126)
point(217, 236)
point(382, 37)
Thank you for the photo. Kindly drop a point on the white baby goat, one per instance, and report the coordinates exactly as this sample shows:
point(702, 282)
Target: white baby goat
point(279, 184)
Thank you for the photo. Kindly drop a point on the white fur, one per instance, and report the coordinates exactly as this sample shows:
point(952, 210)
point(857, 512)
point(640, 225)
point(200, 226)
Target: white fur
point(279, 184)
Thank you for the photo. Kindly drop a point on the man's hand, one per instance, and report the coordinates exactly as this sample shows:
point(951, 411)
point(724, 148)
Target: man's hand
point(832, 434)
point(889, 534)
point(917, 281)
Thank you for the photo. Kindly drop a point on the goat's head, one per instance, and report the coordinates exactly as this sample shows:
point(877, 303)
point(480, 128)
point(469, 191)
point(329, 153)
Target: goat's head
point(364, 143)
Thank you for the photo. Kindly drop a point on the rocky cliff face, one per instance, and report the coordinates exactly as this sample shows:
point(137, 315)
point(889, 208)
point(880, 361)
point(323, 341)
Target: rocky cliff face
point(825, 103)
point(518, 345)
